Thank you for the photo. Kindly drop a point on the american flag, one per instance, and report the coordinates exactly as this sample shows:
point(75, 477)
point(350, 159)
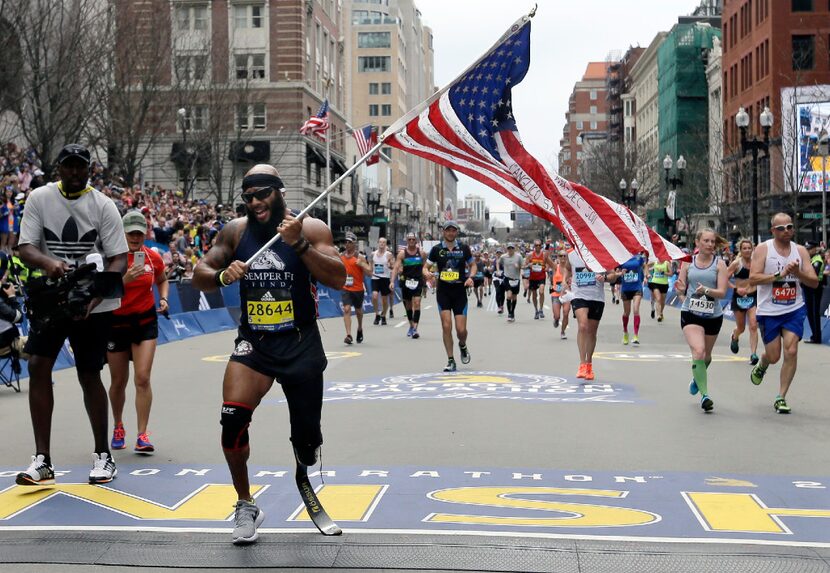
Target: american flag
point(469, 126)
point(318, 124)
point(366, 138)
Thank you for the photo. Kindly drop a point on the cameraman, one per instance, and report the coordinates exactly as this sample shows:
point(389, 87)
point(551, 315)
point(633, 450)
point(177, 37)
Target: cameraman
point(10, 317)
point(64, 222)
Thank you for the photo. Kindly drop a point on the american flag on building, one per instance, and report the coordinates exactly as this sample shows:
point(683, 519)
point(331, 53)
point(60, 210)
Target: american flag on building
point(469, 127)
point(366, 138)
point(318, 124)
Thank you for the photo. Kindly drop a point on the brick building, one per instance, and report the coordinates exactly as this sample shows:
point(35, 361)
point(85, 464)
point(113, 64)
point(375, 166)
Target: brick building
point(768, 47)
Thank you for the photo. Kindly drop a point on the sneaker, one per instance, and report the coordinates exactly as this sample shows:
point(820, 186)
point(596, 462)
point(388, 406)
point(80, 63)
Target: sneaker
point(652, 313)
point(563, 336)
point(625, 339)
point(391, 315)
point(479, 305)
point(541, 313)
point(383, 321)
point(536, 315)
point(348, 339)
point(246, 519)
point(409, 332)
point(753, 359)
point(733, 345)
point(511, 318)
point(465, 354)
point(118, 437)
point(693, 389)
point(450, 367)
point(415, 334)
point(706, 403)
point(580, 373)
point(143, 445)
point(38, 473)
point(589, 371)
point(501, 310)
point(556, 323)
point(660, 318)
point(377, 319)
point(359, 336)
point(781, 406)
point(756, 375)
point(103, 468)
point(635, 340)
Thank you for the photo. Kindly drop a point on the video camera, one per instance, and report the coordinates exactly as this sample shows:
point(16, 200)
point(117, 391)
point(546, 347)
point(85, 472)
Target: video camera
point(52, 301)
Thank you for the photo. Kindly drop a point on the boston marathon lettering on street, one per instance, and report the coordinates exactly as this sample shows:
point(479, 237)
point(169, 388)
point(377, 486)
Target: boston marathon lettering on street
point(479, 385)
point(538, 502)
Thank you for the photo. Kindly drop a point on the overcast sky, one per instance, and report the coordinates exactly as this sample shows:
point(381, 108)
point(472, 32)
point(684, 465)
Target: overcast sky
point(565, 36)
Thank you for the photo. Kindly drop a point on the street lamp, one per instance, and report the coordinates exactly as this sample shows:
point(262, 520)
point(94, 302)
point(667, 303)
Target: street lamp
point(395, 207)
point(629, 194)
point(416, 216)
point(674, 181)
point(182, 113)
point(754, 146)
point(432, 220)
point(373, 201)
point(824, 151)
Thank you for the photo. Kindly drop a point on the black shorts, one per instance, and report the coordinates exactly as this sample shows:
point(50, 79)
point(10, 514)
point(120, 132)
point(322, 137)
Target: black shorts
point(595, 307)
point(711, 326)
point(132, 329)
point(536, 283)
point(478, 282)
point(88, 339)
point(410, 293)
point(382, 285)
point(663, 288)
point(293, 357)
point(513, 289)
point(352, 298)
point(453, 298)
point(748, 301)
point(630, 294)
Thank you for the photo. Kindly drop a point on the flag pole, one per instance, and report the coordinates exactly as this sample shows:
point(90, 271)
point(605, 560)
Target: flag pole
point(317, 199)
point(328, 180)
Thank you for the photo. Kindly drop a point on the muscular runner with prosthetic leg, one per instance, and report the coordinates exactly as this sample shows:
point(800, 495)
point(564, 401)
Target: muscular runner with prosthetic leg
point(278, 336)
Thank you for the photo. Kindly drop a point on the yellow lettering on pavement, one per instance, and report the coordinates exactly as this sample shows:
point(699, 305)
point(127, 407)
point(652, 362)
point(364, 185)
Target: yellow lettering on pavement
point(744, 512)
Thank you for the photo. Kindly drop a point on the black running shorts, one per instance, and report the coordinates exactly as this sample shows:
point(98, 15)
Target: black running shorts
point(452, 298)
point(663, 288)
point(132, 329)
point(293, 357)
point(352, 298)
point(711, 326)
point(630, 294)
point(382, 285)
point(595, 307)
point(535, 284)
point(88, 339)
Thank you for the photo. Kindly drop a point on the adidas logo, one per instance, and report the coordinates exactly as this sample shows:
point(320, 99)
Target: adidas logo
point(267, 297)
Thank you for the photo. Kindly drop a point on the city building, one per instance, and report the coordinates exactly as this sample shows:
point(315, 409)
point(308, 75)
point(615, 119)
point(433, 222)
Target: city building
point(585, 121)
point(241, 78)
point(715, 86)
point(775, 56)
point(475, 205)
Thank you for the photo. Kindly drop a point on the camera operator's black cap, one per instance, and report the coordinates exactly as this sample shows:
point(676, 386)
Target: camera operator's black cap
point(74, 150)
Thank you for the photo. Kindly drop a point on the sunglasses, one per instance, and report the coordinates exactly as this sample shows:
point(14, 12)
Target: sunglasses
point(784, 227)
point(259, 194)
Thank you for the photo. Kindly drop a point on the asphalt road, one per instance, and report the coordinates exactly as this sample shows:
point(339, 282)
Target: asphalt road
point(513, 445)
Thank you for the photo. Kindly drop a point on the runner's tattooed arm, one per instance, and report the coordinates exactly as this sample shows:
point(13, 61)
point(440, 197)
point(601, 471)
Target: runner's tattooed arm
point(320, 256)
point(220, 258)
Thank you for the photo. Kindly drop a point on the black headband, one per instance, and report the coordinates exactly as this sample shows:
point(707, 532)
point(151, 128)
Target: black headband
point(262, 180)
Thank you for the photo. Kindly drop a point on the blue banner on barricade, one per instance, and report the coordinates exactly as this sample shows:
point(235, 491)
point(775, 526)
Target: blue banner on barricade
point(180, 326)
point(214, 320)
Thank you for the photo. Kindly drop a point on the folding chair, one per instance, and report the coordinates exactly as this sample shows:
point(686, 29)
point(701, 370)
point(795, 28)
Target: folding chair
point(10, 364)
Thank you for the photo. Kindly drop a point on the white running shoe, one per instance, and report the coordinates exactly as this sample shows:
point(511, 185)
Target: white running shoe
point(103, 468)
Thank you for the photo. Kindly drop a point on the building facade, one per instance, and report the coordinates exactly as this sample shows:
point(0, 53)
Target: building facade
point(774, 55)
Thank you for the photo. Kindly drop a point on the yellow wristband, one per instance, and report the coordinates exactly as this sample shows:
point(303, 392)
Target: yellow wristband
point(222, 278)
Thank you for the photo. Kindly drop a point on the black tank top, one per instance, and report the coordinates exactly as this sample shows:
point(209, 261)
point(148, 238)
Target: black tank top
point(743, 273)
point(277, 293)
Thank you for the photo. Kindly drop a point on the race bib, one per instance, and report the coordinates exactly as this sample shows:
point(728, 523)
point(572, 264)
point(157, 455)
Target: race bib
point(746, 302)
point(525, 272)
point(449, 276)
point(536, 268)
point(631, 277)
point(585, 278)
point(513, 282)
point(349, 280)
point(270, 310)
point(703, 306)
point(658, 275)
point(411, 284)
point(379, 268)
point(783, 293)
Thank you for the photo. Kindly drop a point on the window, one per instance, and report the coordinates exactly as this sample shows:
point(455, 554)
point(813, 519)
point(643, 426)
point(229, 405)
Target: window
point(373, 109)
point(250, 66)
point(373, 89)
point(195, 118)
point(359, 16)
point(374, 63)
point(386, 109)
point(803, 52)
point(191, 67)
point(191, 17)
point(387, 151)
point(386, 88)
point(593, 95)
point(580, 124)
point(802, 5)
point(250, 115)
point(248, 16)
point(593, 110)
point(593, 125)
point(374, 40)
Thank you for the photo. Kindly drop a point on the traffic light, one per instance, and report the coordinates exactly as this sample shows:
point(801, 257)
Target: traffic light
point(512, 215)
point(508, 230)
point(493, 230)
